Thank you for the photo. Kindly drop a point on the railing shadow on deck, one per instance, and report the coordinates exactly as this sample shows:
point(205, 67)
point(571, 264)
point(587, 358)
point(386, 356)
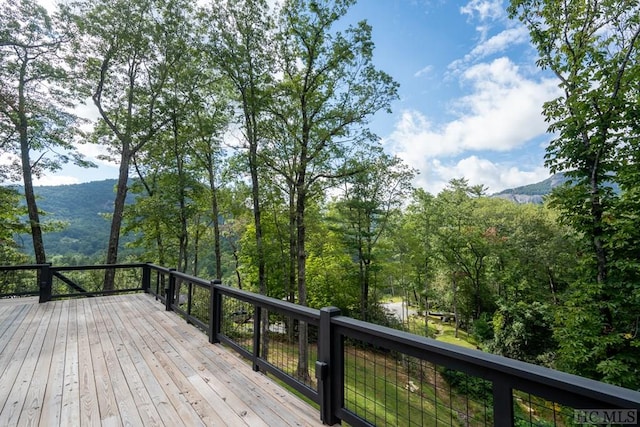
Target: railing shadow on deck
point(364, 374)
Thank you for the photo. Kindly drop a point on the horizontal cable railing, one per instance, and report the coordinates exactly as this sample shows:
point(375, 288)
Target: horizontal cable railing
point(357, 372)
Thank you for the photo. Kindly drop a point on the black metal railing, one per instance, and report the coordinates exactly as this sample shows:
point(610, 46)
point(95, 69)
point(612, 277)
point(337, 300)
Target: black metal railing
point(363, 374)
point(51, 282)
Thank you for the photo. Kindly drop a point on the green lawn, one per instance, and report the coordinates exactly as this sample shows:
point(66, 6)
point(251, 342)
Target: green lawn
point(441, 331)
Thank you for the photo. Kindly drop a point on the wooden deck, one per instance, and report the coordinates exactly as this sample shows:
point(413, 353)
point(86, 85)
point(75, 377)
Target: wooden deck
point(123, 360)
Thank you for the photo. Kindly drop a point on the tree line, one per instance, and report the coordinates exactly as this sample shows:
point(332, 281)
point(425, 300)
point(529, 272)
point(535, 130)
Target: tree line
point(241, 128)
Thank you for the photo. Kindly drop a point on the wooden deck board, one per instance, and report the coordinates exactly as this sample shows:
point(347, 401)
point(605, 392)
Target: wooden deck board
point(123, 360)
point(18, 394)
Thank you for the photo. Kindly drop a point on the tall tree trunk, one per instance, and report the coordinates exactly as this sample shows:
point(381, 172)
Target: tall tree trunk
point(426, 310)
point(292, 260)
point(455, 303)
point(183, 253)
point(30, 198)
point(251, 123)
point(598, 233)
point(32, 207)
point(552, 285)
point(364, 289)
point(303, 347)
point(293, 254)
point(215, 214)
point(116, 221)
point(196, 247)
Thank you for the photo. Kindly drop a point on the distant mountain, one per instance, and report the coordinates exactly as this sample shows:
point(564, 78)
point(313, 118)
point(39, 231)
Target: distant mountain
point(533, 193)
point(85, 209)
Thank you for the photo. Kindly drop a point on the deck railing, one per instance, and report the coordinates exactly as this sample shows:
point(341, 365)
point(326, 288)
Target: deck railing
point(363, 374)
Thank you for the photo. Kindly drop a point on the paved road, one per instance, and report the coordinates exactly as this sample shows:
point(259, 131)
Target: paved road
point(398, 309)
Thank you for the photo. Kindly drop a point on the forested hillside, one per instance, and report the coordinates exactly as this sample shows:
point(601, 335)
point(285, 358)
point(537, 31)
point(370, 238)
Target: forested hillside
point(81, 214)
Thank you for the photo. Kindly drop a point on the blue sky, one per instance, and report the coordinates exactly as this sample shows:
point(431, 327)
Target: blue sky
point(470, 94)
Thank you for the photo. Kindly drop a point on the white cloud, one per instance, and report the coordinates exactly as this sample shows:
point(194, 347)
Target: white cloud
point(93, 151)
point(424, 71)
point(484, 9)
point(494, 45)
point(56, 180)
point(476, 170)
point(501, 42)
point(502, 112)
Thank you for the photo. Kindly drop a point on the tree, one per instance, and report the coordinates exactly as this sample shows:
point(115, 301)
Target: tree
point(465, 244)
point(592, 47)
point(36, 98)
point(370, 197)
point(524, 331)
point(419, 226)
point(128, 55)
point(328, 90)
point(239, 44)
point(208, 125)
point(534, 262)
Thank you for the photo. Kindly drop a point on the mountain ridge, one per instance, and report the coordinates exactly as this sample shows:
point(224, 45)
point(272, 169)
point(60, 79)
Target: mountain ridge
point(85, 208)
point(532, 193)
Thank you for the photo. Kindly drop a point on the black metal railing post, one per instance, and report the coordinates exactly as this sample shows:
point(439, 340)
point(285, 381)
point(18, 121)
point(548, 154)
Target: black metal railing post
point(327, 366)
point(189, 297)
point(502, 403)
point(215, 311)
point(146, 278)
point(170, 291)
point(257, 328)
point(46, 282)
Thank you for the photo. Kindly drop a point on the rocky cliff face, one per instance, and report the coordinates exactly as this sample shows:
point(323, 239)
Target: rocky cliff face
point(522, 198)
point(532, 193)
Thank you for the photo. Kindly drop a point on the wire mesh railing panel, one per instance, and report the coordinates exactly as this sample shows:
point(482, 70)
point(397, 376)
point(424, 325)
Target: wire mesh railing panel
point(199, 308)
point(127, 278)
point(386, 388)
point(285, 346)
point(534, 411)
point(19, 282)
point(237, 322)
point(159, 283)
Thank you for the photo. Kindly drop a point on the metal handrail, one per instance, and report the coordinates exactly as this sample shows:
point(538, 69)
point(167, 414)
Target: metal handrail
point(506, 375)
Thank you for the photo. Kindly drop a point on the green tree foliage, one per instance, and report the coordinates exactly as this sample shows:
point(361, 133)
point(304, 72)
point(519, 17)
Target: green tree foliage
point(11, 223)
point(37, 127)
point(414, 239)
point(371, 196)
point(329, 89)
point(592, 47)
point(464, 244)
point(239, 43)
point(246, 124)
point(524, 331)
point(127, 56)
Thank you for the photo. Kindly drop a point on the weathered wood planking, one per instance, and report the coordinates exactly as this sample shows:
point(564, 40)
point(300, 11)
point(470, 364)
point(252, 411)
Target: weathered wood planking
point(124, 361)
